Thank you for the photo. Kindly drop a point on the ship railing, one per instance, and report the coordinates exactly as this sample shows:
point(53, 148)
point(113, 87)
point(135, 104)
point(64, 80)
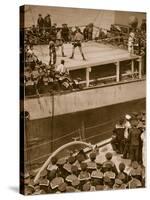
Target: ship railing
point(118, 74)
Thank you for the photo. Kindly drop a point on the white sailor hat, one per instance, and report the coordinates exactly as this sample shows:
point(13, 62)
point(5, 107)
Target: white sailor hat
point(127, 116)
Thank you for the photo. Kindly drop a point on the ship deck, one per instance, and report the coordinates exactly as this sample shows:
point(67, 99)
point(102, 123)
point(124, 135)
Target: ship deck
point(95, 54)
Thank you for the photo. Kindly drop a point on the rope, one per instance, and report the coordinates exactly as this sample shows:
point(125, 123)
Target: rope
point(103, 133)
point(45, 143)
point(102, 124)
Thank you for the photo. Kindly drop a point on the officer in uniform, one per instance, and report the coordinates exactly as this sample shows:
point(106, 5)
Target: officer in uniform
point(118, 141)
point(77, 43)
point(134, 141)
point(126, 135)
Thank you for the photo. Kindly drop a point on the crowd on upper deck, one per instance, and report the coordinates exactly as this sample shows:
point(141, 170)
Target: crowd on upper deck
point(42, 78)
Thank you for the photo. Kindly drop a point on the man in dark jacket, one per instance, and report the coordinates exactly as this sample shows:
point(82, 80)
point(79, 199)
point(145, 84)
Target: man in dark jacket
point(65, 32)
point(134, 141)
point(40, 23)
point(85, 33)
point(118, 141)
point(47, 23)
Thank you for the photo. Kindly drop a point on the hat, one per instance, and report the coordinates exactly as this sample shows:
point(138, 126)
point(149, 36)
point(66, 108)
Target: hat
point(61, 161)
point(67, 167)
point(56, 182)
point(108, 156)
point(97, 174)
point(71, 177)
point(75, 182)
point(31, 188)
point(44, 182)
point(121, 166)
point(118, 181)
point(134, 183)
point(62, 187)
point(84, 175)
point(110, 174)
point(128, 117)
point(86, 187)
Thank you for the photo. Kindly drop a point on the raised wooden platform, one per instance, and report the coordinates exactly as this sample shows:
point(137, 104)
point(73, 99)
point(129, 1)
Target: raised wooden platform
point(95, 53)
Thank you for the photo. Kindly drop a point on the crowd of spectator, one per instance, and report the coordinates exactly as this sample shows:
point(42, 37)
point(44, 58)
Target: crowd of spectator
point(131, 37)
point(40, 78)
point(45, 31)
point(129, 135)
point(86, 172)
point(82, 172)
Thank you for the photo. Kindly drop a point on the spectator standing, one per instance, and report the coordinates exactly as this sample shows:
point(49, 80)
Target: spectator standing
point(85, 33)
point(40, 23)
point(47, 23)
point(65, 33)
point(126, 135)
point(134, 141)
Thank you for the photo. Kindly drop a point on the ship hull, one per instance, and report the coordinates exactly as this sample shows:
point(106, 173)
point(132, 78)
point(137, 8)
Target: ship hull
point(90, 114)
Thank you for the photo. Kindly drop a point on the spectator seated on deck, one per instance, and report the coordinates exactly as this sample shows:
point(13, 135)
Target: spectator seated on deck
point(41, 78)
